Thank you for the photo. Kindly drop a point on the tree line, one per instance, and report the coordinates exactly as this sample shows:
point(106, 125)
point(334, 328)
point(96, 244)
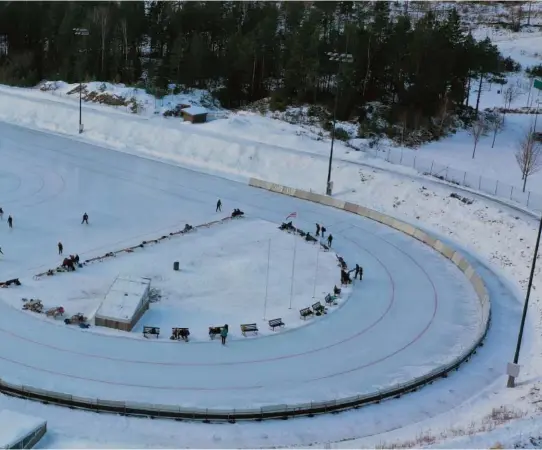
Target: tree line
point(420, 67)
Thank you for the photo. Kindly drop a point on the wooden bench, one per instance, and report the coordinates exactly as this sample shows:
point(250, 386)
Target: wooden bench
point(318, 308)
point(213, 331)
point(249, 328)
point(305, 312)
point(151, 330)
point(274, 323)
point(179, 333)
point(330, 299)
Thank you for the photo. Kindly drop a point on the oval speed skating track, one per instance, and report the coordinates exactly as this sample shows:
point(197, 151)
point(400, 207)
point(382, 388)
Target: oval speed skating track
point(413, 312)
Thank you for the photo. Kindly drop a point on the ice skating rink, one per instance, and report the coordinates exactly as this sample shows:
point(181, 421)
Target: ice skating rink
point(413, 311)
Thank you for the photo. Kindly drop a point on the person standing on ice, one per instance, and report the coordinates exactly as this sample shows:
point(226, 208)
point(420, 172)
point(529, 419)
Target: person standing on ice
point(323, 231)
point(224, 334)
point(10, 222)
point(1, 214)
point(60, 248)
point(219, 205)
point(85, 219)
point(317, 230)
point(329, 240)
point(359, 271)
point(1, 251)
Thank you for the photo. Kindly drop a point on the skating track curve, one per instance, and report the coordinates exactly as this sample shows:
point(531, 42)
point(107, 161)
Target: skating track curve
point(421, 312)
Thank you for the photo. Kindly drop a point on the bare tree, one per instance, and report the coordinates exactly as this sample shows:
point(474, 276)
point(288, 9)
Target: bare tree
point(512, 92)
point(495, 122)
point(528, 156)
point(477, 130)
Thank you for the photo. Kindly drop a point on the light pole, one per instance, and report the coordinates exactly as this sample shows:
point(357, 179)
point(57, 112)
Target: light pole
point(513, 368)
point(80, 32)
point(341, 58)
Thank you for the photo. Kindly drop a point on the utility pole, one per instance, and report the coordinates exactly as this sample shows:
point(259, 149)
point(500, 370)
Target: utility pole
point(80, 32)
point(341, 58)
point(513, 368)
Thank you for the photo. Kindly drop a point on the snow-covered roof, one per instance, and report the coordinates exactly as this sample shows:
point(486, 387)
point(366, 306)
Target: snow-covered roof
point(123, 299)
point(15, 426)
point(194, 110)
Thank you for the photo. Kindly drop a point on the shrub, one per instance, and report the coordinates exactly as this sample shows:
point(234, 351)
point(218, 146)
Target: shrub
point(509, 65)
point(341, 134)
point(278, 102)
point(534, 71)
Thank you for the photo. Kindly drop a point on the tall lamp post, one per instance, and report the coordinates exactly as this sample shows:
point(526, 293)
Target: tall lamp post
point(341, 58)
point(513, 368)
point(80, 32)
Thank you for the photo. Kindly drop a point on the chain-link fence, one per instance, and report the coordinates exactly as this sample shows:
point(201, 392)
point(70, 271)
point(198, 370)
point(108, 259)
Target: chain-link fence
point(477, 182)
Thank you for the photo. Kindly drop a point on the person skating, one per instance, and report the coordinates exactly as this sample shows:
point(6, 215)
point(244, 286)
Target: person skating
point(1, 251)
point(219, 205)
point(10, 222)
point(360, 273)
point(323, 229)
point(60, 248)
point(224, 334)
point(1, 214)
point(317, 229)
point(85, 219)
point(356, 273)
point(329, 240)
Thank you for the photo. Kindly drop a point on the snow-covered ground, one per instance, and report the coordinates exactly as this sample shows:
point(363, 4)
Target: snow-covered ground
point(415, 304)
point(222, 279)
point(502, 236)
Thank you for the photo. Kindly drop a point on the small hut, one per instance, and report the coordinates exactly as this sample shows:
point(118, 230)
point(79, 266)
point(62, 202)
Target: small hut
point(194, 114)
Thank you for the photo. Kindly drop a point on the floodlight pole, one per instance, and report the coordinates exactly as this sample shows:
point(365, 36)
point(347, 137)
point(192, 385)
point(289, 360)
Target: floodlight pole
point(80, 32)
point(341, 58)
point(512, 378)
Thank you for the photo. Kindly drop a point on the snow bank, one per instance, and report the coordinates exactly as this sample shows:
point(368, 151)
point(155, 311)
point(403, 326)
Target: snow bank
point(15, 427)
point(172, 142)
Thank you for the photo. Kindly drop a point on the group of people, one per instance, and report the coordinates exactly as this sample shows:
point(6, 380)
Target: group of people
point(70, 263)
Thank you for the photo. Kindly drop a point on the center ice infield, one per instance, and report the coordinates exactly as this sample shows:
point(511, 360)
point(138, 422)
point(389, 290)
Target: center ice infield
point(231, 273)
point(413, 312)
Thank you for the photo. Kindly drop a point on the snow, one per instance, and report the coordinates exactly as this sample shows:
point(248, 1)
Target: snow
point(15, 426)
point(404, 280)
point(499, 237)
point(194, 110)
point(125, 297)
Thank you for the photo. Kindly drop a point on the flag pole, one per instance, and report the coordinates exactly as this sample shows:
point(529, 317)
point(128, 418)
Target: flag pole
point(293, 272)
point(316, 271)
point(267, 279)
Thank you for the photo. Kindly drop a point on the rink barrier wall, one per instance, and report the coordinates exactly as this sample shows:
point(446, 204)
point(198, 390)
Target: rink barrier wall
point(283, 411)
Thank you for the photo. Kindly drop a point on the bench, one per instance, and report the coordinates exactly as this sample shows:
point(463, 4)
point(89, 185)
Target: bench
point(330, 299)
point(305, 312)
point(274, 323)
point(180, 333)
point(151, 330)
point(213, 331)
point(318, 308)
point(249, 328)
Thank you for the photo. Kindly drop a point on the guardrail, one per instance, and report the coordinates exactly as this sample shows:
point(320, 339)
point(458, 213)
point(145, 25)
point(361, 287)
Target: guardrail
point(306, 409)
